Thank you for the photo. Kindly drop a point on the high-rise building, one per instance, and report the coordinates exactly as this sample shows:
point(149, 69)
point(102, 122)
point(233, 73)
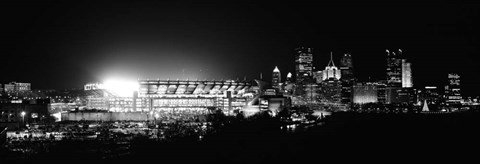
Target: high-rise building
point(347, 80)
point(331, 71)
point(394, 68)
point(276, 78)
point(365, 93)
point(452, 90)
point(303, 64)
point(406, 74)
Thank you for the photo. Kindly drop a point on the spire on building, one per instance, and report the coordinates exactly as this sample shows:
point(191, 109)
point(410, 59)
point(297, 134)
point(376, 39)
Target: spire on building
point(331, 60)
point(276, 69)
point(425, 107)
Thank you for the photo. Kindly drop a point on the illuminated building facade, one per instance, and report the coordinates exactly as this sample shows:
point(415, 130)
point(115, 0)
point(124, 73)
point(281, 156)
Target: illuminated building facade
point(381, 91)
point(394, 77)
point(331, 71)
point(365, 93)
point(394, 68)
point(406, 74)
point(452, 90)
point(276, 78)
point(311, 95)
point(165, 95)
point(347, 78)
point(303, 64)
point(14, 86)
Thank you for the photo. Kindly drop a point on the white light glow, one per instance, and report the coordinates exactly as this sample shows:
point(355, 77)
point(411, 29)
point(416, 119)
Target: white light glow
point(121, 88)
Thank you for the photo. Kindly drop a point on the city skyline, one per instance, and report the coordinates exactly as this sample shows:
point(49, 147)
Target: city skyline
point(185, 41)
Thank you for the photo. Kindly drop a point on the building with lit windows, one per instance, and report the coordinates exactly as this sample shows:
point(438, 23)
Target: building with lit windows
point(15, 86)
point(303, 64)
point(330, 91)
point(406, 74)
point(365, 93)
point(331, 71)
point(394, 68)
point(452, 90)
point(381, 91)
point(347, 78)
point(170, 96)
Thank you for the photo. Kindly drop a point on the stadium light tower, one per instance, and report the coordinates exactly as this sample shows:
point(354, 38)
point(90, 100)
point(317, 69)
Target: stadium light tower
point(121, 88)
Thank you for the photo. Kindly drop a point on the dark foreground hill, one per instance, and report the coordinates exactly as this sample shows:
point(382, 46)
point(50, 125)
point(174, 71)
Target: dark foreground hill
point(360, 137)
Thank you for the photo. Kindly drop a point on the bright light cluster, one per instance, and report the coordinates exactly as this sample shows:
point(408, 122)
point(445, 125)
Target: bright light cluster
point(121, 88)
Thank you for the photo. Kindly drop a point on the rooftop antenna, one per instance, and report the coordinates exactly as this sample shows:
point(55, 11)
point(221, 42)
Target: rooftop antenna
point(331, 59)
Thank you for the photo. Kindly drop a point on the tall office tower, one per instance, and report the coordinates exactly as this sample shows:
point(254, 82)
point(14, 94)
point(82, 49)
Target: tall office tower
point(394, 68)
point(303, 64)
point(331, 71)
point(276, 78)
point(452, 90)
point(347, 80)
point(406, 74)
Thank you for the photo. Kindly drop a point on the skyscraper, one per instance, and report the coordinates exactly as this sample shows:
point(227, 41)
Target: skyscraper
point(406, 74)
point(303, 64)
point(347, 80)
point(394, 68)
point(331, 71)
point(452, 90)
point(276, 78)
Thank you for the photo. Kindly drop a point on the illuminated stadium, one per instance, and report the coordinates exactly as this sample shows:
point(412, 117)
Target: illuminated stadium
point(165, 95)
point(174, 98)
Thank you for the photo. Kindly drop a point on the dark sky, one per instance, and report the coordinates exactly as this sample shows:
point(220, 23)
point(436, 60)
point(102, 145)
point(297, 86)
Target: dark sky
point(56, 44)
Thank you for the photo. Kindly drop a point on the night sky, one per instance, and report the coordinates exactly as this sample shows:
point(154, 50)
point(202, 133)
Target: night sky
point(56, 44)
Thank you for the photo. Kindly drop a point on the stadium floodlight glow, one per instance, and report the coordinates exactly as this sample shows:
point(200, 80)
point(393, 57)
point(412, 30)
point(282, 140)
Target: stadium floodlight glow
point(121, 88)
